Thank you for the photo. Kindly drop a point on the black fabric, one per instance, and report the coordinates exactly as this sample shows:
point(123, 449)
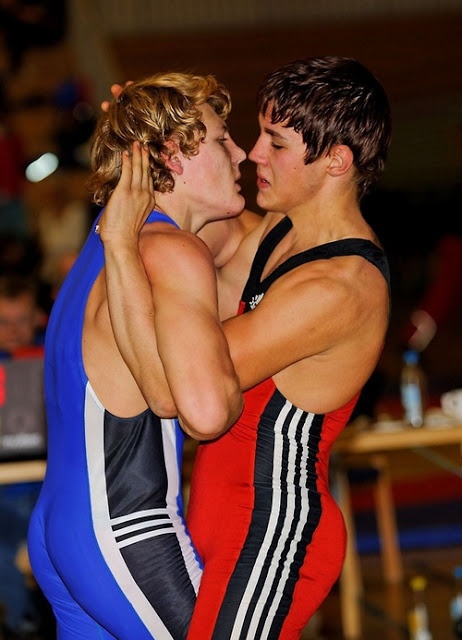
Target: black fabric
point(348, 246)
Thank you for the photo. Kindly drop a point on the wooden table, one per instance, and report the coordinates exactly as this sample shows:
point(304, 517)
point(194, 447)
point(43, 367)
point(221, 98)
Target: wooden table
point(374, 446)
point(22, 471)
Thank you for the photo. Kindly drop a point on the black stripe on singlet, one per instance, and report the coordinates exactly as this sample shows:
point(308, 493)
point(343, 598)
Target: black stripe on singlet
point(303, 491)
point(286, 513)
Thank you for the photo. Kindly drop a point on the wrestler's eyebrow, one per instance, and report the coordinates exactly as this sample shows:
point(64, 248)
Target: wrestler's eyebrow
point(274, 134)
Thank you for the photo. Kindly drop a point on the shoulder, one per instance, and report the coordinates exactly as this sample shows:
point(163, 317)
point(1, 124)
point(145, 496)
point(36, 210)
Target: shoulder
point(173, 251)
point(163, 236)
point(339, 290)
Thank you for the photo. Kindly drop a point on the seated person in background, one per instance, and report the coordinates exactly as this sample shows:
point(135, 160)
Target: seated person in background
point(20, 332)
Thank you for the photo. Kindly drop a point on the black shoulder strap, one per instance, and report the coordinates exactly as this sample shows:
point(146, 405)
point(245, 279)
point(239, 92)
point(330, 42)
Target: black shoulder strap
point(265, 249)
point(348, 246)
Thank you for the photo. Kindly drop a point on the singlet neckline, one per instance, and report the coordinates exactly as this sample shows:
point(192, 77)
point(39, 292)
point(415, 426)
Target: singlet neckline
point(160, 216)
point(154, 216)
point(344, 247)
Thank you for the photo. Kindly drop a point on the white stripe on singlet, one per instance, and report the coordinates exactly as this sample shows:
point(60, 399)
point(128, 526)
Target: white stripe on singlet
point(296, 474)
point(191, 559)
point(94, 442)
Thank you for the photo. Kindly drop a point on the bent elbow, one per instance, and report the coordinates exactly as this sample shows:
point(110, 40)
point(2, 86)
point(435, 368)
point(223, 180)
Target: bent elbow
point(162, 406)
point(214, 419)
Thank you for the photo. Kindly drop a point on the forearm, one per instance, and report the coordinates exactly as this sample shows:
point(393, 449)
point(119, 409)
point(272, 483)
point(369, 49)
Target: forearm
point(198, 366)
point(161, 289)
point(131, 312)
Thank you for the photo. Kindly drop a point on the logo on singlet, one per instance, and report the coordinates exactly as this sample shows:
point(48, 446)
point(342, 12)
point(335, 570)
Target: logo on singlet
point(255, 300)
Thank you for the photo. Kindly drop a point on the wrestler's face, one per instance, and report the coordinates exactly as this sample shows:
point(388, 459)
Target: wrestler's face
point(18, 322)
point(212, 174)
point(284, 181)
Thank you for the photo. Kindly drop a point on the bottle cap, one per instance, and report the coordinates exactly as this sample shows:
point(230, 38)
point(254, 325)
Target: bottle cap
point(411, 357)
point(418, 583)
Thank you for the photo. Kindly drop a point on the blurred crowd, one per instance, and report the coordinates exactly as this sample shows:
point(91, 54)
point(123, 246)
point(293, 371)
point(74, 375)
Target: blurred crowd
point(43, 224)
point(44, 220)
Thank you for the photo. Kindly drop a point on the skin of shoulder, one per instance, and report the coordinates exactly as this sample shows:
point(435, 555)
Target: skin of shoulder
point(158, 243)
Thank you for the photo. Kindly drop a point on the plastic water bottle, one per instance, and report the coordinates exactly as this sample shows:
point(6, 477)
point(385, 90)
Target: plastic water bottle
point(413, 389)
point(456, 604)
point(418, 616)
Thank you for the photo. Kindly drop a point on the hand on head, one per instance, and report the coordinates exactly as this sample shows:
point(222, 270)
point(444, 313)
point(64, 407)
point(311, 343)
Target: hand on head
point(133, 195)
point(116, 90)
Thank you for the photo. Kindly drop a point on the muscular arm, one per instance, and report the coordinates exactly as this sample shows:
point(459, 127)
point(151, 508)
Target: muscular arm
point(163, 307)
point(123, 264)
point(190, 338)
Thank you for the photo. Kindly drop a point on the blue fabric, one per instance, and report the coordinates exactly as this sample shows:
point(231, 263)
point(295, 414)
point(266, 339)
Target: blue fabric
point(111, 496)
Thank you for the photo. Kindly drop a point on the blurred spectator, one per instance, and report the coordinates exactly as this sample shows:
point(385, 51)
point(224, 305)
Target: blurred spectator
point(61, 225)
point(30, 23)
point(21, 328)
point(21, 319)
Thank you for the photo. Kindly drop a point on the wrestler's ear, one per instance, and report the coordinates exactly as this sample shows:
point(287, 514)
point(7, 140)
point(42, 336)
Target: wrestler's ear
point(173, 157)
point(340, 159)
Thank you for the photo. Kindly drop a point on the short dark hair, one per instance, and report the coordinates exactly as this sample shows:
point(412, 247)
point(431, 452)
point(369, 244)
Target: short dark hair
point(332, 100)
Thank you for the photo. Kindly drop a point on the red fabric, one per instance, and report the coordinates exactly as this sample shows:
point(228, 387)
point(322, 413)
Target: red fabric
point(427, 489)
point(444, 292)
point(11, 166)
point(221, 506)
point(31, 351)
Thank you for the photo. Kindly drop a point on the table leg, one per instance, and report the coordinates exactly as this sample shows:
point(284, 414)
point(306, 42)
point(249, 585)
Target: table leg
point(350, 579)
point(386, 521)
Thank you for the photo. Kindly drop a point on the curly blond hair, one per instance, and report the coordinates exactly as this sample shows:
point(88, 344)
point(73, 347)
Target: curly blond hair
point(160, 108)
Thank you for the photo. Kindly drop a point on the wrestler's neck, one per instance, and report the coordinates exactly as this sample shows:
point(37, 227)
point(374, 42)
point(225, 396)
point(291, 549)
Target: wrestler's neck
point(326, 219)
point(188, 215)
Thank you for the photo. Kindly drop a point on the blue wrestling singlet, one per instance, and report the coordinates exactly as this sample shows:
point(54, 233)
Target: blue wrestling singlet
point(107, 539)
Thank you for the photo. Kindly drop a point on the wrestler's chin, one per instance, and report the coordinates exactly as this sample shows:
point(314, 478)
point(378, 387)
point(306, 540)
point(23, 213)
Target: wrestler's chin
point(237, 208)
